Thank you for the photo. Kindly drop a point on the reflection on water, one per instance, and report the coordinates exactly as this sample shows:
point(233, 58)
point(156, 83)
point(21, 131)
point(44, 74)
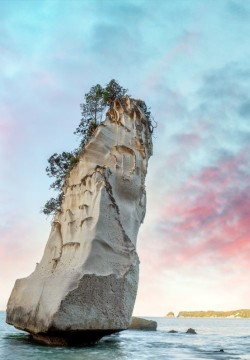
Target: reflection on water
point(230, 335)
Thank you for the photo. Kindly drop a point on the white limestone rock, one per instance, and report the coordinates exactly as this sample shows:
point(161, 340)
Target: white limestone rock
point(87, 279)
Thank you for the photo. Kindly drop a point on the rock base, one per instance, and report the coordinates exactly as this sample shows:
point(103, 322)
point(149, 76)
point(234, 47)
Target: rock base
point(72, 338)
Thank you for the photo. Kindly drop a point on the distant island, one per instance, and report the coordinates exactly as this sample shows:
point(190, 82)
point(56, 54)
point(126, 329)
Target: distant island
point(243, 313)
point(170, 314)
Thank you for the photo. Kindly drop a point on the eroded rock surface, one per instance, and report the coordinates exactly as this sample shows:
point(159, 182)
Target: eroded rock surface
point(86, 282)
point(142, 324)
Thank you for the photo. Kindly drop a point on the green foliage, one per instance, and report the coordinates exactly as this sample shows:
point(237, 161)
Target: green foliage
point(53, 205)
point(91, 129)
point(59, 166)
point(113, 91)
point(96, 102)
point(148, 114)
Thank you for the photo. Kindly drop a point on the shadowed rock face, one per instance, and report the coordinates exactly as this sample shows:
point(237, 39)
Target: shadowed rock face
point(87, 279)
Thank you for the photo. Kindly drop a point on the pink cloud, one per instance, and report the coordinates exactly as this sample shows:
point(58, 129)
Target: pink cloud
point(21, 246)
point(189, 139)
point(12, 132)
point(207, 220)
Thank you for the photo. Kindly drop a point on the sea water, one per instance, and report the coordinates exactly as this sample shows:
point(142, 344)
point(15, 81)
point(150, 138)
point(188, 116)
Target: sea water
point(213, 335)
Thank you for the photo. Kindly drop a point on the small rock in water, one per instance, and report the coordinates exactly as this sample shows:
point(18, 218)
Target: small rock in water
point(142, 324)
point(173, 331)
point(191, 331)
point(221, 350)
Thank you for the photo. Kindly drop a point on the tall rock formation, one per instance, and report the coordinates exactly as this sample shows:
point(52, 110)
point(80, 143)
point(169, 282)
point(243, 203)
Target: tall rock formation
point(86, 283)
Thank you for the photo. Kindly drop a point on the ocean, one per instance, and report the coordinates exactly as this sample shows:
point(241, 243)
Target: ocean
point(231, 335)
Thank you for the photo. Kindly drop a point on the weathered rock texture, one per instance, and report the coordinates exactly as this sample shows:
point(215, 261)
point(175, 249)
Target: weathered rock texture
point(86, 283)
point(142, 324)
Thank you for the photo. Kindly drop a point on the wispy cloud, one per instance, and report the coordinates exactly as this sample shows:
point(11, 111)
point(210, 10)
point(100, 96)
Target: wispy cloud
point(204, 216)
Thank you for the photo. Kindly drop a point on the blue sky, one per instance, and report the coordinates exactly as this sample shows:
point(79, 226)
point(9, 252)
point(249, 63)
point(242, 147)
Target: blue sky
point(189, 60)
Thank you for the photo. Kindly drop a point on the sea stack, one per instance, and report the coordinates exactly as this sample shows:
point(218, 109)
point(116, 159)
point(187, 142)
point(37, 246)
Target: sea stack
point(86, 283)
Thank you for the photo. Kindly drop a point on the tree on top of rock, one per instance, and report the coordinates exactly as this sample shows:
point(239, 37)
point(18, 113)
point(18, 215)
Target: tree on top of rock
point(113, 91)
point(96, 103)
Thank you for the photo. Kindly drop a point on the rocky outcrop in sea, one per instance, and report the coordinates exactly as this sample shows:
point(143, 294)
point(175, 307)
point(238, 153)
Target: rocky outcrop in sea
point(138, 323)
point(86, 283)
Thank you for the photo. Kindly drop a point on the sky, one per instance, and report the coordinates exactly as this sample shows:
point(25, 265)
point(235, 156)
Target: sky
point(189, 61)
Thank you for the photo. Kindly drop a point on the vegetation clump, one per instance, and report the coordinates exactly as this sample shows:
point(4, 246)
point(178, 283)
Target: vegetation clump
point(96, 102)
